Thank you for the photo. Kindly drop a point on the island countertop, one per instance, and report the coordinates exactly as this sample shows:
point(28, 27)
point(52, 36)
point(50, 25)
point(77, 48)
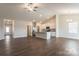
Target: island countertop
point(44, 35)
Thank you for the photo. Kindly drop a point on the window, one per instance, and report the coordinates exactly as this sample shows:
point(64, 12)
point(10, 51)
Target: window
point(73, 27)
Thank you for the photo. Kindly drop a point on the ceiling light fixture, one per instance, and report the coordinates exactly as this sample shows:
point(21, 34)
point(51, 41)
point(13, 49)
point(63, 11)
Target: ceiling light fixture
point(31, 6)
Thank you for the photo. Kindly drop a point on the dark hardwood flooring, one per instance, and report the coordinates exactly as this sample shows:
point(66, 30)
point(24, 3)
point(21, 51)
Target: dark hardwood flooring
point(39, 47)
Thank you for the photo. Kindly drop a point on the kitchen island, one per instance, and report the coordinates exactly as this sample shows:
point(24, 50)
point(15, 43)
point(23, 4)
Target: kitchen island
point(44, 35)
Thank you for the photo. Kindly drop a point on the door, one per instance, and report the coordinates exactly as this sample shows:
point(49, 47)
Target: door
point(28, 30)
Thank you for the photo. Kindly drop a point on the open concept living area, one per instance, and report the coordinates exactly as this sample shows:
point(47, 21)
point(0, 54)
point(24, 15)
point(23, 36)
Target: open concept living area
point(39, 29)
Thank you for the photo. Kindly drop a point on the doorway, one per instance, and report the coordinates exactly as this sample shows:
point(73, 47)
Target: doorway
point(8, 26)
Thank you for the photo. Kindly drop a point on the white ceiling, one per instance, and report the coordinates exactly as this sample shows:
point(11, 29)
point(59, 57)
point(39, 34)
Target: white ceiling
point(16, 10)
point(66, 8)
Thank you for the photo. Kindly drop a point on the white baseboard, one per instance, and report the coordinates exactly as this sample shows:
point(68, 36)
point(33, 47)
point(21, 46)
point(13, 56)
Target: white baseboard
point(1, 38)
point(69, 37)
point(19, 36)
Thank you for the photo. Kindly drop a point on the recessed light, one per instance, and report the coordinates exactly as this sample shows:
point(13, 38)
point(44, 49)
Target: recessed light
point(69, 20)
point(40, 15)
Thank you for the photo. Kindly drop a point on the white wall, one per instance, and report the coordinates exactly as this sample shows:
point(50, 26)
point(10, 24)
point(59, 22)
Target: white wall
point(63, 26)
point(57, 25)
point(20, 28)
point(1, 30)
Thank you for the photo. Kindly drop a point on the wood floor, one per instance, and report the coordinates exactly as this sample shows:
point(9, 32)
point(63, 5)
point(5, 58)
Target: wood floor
point(39, 47)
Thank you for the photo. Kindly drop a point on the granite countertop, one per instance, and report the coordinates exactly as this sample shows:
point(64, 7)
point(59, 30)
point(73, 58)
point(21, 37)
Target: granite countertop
point(41, 32)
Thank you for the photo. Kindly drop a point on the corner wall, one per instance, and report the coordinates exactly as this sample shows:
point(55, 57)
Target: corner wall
point(62, 26)
point(20, 28)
